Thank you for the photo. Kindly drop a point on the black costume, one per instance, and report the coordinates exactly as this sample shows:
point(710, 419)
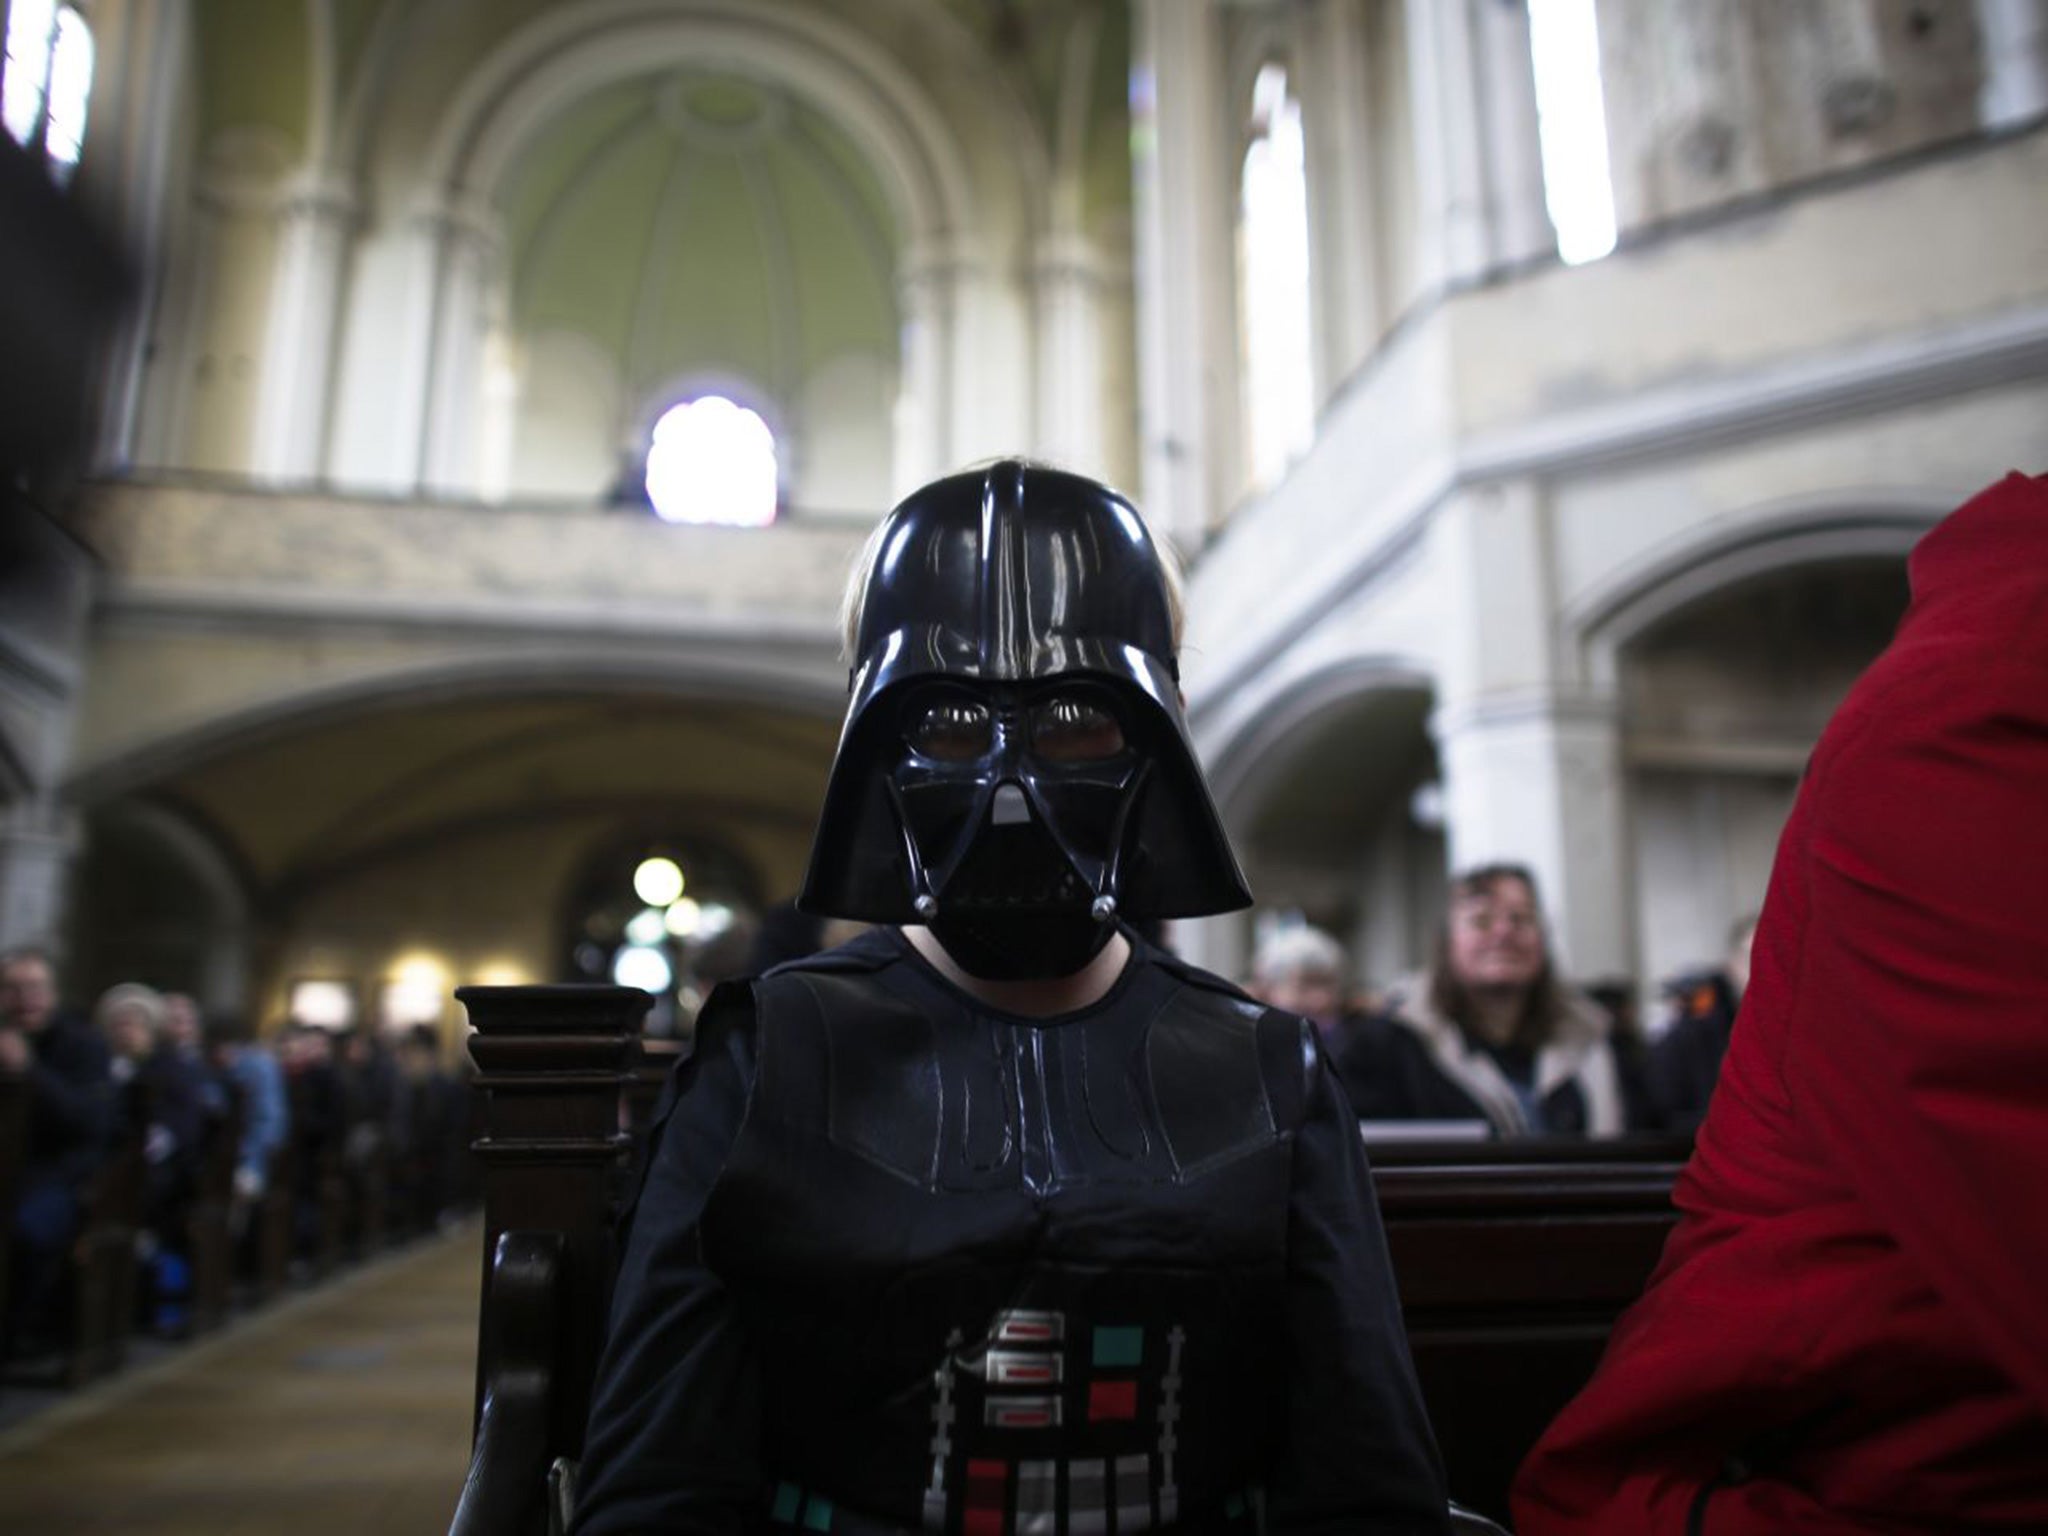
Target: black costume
point(1685, 1062)
point(902, 1261)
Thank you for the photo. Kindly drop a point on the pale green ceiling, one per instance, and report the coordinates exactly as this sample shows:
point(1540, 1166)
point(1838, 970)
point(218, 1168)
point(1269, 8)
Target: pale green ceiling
point(254, 68)
point(688, 221)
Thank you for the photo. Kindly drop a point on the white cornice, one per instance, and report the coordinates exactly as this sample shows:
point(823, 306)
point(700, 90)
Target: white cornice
point(1884, 375)
point(218, 606)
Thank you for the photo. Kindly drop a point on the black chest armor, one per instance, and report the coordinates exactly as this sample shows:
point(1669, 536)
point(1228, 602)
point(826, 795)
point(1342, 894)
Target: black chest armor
point(1006, 1274)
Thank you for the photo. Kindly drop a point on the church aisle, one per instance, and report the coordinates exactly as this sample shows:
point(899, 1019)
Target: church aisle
point(344, 1411)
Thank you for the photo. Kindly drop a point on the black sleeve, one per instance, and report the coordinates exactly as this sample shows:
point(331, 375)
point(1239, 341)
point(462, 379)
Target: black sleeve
point(1359, 1457)
point(673, 1444)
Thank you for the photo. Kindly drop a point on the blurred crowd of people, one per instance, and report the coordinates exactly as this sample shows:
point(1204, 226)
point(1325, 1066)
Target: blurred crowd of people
point(334, 1141)
point(1491, 1040)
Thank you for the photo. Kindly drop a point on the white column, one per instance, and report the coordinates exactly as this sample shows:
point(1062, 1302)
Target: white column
point(151, 81)
point(38, 842)
point(2014, 46)
point(1856, 92)
point(1450, 167)
point(1478, 160)
point(316, 218)
point(1517, 216)
point(1538, 782)
point(1337, 105)
point(1531, 760)
point(927, 297)
point(1185, 191)
point(449, 455)
point(1067, 292)
point(1712, 122)
point(1221, 945)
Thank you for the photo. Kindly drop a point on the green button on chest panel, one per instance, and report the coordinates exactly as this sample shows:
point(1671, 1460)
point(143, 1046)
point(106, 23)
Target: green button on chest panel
point(1119, 1347)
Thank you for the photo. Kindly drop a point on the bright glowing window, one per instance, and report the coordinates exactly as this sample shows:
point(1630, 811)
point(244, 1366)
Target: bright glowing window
point(1279, 387)
point(712, 461)
point(48, 81)
point(1571, 121)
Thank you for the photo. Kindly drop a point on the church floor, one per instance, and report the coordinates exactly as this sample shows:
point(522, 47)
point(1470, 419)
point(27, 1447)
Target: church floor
point(346, 1410)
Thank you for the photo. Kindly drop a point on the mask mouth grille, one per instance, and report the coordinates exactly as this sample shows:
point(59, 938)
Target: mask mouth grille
point(1014, 867)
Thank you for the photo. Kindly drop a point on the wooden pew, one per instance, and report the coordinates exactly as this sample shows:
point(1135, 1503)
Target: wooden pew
point(104, 1272)
point(1513, 1267)
point(1511, 1271)
point(270, 1235)
point(209, 1225)
point(553, 1066)
point(13, 1155)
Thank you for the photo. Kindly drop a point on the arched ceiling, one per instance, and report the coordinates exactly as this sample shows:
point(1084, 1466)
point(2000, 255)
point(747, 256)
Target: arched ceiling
point(701, 223)
point(315, 804)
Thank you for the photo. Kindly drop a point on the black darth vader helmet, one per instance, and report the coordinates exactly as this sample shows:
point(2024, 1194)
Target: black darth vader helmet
point(1015, 770)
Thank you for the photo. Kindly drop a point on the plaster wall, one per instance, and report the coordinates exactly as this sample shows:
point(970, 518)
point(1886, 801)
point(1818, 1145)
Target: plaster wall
point(1617, 527)
point(1379, 462)
point(365, 451)
point(1823, 271)
point(220, 605)
point(222, 371)
point(567, 441)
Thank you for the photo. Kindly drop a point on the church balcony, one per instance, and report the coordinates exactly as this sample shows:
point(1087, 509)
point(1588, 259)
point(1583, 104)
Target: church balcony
point(1877, 334)
point(223, 602)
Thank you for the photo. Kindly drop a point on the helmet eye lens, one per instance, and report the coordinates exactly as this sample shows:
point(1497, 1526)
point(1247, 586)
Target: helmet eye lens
point(1066, 729)
point(951, 731)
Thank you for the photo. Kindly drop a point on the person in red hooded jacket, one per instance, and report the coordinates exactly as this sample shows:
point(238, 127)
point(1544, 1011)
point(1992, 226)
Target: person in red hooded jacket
point(1849, 1328)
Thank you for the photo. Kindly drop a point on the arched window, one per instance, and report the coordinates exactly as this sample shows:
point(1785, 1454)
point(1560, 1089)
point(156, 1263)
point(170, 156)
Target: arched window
point(48, 81)
point(1279, 385)
point(1571, 122)
point(711, 461)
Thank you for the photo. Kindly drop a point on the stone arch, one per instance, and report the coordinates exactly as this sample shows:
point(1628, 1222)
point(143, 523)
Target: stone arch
point(201, 892)
point(1727, 654)
point(433, 807)
point(1233, 762)
point(568, 51)
point(1715, 555)
point(1317, 789)
point(718, 674)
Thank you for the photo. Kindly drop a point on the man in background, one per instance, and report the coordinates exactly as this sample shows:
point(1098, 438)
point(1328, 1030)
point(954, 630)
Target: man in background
point(64, 1064)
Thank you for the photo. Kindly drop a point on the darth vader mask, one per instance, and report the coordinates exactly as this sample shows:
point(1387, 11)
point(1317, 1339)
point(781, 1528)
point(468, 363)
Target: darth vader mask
point(1014, 770)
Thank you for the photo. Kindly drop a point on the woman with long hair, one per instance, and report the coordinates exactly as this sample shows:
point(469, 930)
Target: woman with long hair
point(1491, 1032)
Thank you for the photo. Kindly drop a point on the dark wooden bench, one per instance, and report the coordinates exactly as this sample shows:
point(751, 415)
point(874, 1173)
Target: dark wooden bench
point(13, 1156)
point(1512, 1274)
point(209, 1224)
point(105, 1274)
point(1512, 1269)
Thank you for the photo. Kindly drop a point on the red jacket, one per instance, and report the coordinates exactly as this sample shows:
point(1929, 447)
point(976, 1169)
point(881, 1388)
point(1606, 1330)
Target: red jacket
point(1854, 1305)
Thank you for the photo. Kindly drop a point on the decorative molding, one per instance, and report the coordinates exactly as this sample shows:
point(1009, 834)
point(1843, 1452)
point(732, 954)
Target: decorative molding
point(1553, 708)
point(1685, 754)
point(218, 606)
point(1664, 422)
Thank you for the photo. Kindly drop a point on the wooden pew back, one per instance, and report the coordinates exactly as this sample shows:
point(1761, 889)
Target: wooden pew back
point(1512, 1274)
point(13, 1157)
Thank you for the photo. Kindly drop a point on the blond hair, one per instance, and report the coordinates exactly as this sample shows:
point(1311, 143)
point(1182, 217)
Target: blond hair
point(853, 600)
